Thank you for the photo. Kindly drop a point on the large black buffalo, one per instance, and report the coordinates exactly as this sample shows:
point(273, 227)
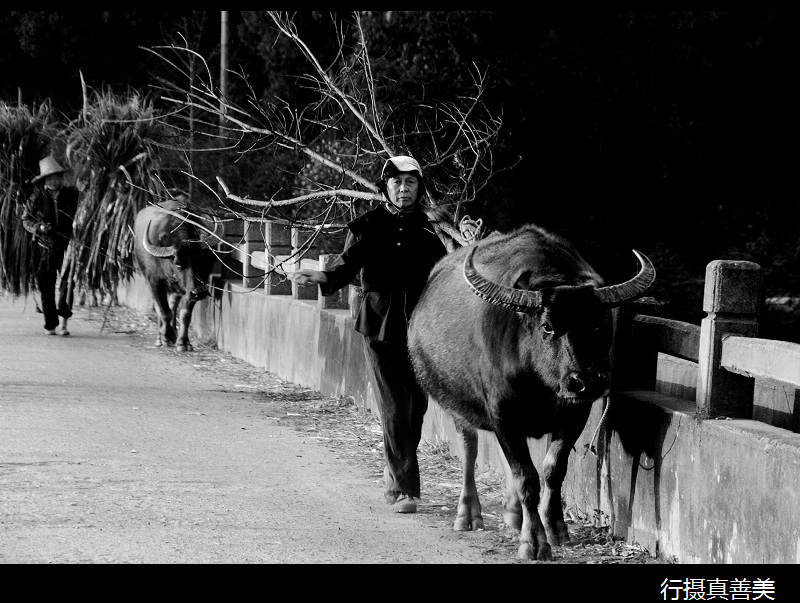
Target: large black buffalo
point(175, 259)
point(513, 335)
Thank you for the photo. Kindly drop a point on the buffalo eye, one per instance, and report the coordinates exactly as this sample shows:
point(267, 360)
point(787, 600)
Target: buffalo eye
point(547, 329)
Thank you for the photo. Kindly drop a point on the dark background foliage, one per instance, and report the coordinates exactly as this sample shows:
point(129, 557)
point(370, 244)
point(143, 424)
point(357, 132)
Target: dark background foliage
point(664, 131)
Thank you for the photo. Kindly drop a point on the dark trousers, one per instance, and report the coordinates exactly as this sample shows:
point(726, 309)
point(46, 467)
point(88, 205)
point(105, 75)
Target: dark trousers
point(46, 280)
point(402, 407)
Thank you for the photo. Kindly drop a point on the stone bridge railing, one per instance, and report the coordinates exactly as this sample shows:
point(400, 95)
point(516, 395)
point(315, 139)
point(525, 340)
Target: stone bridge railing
point(262, 251)
point(699, 457)
point(695, 455)
point(721, 366)
point(727, 370)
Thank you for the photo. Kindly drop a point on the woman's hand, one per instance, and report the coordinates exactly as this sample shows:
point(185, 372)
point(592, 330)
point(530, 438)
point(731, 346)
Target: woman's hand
point(308, 277)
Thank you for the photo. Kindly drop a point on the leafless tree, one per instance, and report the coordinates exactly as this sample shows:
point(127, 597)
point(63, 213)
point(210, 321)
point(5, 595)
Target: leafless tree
point(342, 138)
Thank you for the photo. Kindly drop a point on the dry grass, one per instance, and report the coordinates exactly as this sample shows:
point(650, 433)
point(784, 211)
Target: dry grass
point(26, 135)
point(114, 156)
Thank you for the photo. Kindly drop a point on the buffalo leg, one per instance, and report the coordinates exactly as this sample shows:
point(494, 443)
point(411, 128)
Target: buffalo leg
point(174, 301)
point(469, 515)
point(184, 316)
point(533, 542)
point(512, 507)
point(550, 507)
point(157, 311)
point(166, 331)
point(554, 469)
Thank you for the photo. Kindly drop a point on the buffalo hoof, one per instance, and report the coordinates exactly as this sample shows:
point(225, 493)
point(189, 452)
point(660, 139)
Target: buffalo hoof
point(528, 551)
point(559, 533)
point(466, 522)
point(405, 504)
point(185, 347)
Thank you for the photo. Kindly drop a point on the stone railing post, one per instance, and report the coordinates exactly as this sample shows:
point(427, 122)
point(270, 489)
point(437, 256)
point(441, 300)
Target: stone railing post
point(730, 300)
point(338, 300)
point(279, 249)
point(252, 241)
point(300, 239)
point(234, 233)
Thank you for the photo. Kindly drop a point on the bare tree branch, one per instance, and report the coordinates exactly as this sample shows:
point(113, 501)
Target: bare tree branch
point(343, 135)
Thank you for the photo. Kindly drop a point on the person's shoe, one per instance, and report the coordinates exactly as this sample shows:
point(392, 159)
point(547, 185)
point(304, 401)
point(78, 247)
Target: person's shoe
point(49, 332)
point(405, 504)
point(62, 328)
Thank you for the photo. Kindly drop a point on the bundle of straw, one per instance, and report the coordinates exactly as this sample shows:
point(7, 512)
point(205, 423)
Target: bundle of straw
point(112, 150)
point(25, 137)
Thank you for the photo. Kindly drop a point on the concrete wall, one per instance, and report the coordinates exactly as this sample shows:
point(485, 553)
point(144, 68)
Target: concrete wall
point(716, 491)
point(713, 491)
point(288, 337)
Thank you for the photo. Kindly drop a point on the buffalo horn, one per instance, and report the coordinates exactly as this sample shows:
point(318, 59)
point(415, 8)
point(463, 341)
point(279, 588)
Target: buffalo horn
point(154, 250)
point(519, 300)
point(523, 300)
point(615, 295)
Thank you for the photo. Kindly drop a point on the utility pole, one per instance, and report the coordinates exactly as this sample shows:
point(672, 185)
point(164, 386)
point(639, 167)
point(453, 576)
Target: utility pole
point(223, 65)
point(190, 34)
point(223, 80)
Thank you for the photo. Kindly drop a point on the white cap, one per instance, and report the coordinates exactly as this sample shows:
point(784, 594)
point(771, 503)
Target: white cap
point(402, 163)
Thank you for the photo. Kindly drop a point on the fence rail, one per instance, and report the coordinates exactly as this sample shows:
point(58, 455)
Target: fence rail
point(737, 374)
point(762, 358)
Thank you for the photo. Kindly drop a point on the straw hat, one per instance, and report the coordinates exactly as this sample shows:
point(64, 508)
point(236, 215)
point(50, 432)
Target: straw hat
point(47, 167)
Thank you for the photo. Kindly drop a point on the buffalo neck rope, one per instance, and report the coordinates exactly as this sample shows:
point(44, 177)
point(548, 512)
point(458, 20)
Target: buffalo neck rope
point(590, 446)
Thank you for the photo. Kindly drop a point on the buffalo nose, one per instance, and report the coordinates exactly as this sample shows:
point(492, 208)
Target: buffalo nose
point(575, 385)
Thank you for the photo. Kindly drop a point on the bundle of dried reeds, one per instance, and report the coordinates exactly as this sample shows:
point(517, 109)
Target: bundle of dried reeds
point(112, 150)
point(25, 137)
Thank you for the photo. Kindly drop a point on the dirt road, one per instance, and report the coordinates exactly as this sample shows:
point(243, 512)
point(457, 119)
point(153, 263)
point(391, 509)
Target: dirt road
point(115, 451)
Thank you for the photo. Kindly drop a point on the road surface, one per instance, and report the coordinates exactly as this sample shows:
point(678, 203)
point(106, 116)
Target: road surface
point(115, 451)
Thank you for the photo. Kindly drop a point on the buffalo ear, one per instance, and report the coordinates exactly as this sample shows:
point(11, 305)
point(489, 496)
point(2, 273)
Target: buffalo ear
point(523, 281)
point(529, 281)
point(157, 239)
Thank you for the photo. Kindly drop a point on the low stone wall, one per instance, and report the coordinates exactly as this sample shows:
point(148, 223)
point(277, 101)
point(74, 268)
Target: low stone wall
point(710, 491)
point(713, 491)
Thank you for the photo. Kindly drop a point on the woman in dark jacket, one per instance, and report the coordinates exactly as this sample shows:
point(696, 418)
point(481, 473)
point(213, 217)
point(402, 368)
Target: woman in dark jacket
point(394, 247)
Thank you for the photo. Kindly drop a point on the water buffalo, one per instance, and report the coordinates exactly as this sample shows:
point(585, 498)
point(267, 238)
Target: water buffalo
point(512, 334)
point(174, 257)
